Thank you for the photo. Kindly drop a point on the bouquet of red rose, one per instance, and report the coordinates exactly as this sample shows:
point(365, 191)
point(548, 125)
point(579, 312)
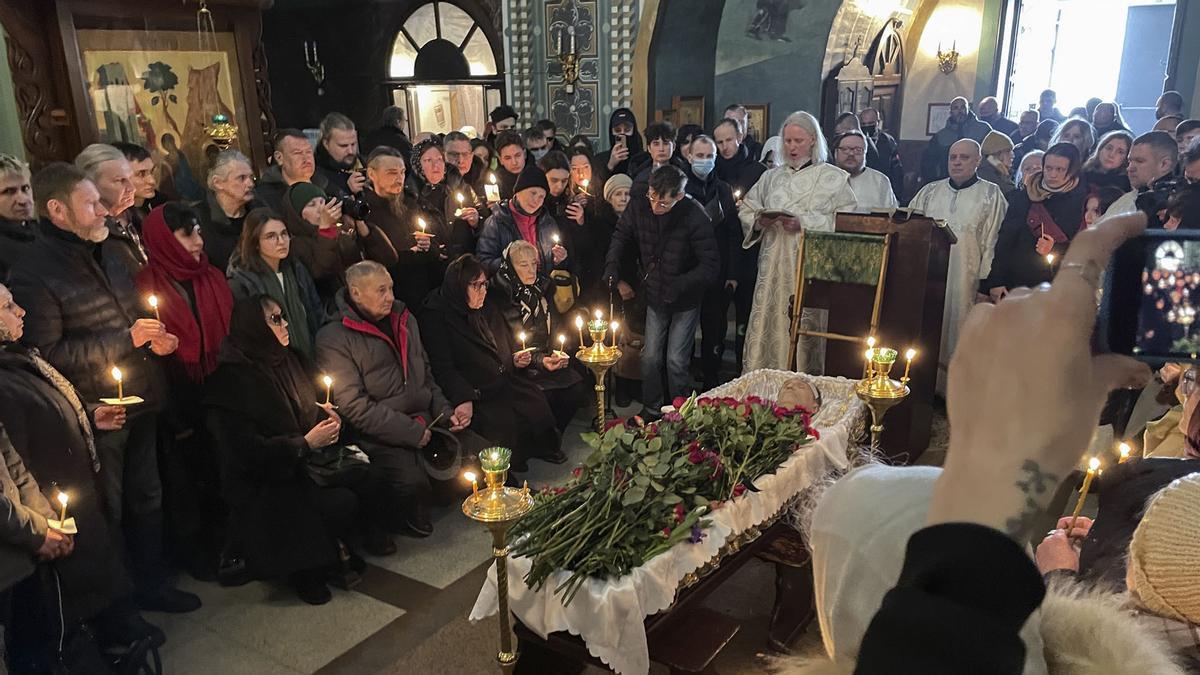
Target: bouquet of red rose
point(646, 487)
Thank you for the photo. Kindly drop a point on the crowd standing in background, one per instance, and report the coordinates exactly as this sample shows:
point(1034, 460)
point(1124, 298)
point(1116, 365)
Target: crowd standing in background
point(435, 280)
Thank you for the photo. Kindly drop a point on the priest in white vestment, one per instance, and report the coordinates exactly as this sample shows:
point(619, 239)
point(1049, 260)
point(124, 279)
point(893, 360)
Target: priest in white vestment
point(803, 193)
point(973, 208)
point(872, 189)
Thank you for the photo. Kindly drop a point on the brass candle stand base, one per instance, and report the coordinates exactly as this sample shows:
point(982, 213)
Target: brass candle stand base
point(599, 358)
point(880, 393)
point(497, 506)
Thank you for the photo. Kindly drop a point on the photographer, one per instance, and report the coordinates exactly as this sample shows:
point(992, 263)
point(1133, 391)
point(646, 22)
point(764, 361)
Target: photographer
point(1151, 165)
point(337, 156)
point(327, 238)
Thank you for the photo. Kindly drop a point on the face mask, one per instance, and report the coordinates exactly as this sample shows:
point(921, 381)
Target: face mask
point(539, 154)
point(703, 167)
point(869, 129)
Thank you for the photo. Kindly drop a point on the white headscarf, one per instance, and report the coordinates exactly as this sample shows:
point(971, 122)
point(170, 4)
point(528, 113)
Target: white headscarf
point(774, 148)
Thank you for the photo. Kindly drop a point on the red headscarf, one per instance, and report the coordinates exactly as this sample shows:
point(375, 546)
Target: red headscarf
point(199, 343)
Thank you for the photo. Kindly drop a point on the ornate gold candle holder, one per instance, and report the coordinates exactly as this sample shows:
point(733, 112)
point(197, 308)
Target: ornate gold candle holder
point(599, 358)
point(497, 506)
point(222, 132)
point(879, 391)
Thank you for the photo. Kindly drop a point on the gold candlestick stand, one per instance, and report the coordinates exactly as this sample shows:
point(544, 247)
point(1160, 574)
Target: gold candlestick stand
point(598, 358)
point(497, 506)
point(880, 392)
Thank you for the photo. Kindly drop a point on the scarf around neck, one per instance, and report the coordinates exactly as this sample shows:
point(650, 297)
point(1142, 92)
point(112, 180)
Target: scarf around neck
point(1038, 191)
point(200, 333)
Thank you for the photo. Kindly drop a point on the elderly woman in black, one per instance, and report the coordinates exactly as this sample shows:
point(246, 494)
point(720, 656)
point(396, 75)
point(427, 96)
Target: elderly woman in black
point(266, 418)
point(456, 221)
point(476, 359)
point(1042, 220)
point(524, 299)
point(53, 432)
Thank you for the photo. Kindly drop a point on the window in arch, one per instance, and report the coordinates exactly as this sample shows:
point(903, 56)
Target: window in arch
point(440, 41)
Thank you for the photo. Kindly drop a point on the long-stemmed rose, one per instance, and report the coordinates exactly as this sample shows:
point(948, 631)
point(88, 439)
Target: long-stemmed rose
point(646, 488)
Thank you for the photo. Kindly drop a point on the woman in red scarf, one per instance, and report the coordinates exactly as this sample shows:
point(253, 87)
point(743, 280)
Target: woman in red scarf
point(195, 303)
point(194, 300)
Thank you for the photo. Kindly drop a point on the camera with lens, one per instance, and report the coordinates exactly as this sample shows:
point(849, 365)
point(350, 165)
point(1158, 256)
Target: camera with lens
point(355, 207)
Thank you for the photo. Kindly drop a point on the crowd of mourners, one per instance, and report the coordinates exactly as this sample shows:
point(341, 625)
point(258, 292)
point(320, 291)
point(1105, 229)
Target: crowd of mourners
point(314, 352)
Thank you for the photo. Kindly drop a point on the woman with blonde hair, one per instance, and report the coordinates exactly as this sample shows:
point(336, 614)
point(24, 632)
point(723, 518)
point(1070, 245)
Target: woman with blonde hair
point(802, 193)
point(1077, 132)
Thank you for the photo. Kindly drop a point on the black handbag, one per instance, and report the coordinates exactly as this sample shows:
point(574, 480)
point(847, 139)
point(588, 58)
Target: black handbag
point(337, 465)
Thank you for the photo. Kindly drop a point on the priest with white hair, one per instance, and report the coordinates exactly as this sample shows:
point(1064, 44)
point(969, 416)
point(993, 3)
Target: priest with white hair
point(801, 194)
point(973, 208)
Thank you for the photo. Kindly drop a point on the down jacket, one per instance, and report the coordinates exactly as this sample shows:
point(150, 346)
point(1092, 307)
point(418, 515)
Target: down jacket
point(679, 259)
point(384, 389)
point(81, 304)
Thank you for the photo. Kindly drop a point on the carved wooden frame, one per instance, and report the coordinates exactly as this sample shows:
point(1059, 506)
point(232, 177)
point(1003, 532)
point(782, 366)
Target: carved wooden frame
point(51, 96)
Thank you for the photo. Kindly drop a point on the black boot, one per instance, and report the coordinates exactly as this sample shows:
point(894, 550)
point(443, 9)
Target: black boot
point(122, 625)
point(144, 540)
point(310, 587)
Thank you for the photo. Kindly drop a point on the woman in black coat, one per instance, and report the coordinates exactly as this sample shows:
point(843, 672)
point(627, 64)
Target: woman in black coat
point(264, 415)
point(53, 432)
point(524, 299)
point(475, 360)
point(1042, 219)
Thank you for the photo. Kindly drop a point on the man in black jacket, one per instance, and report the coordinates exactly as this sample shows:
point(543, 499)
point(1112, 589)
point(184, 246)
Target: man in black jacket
point(337, 156)
point(660, 151)
point(887, 157)
point(510, 151)
point(294, 162)
point(716, 196)
point(106, 167)
point(16, 212)
point(739, 167)
point(679, 262)
point(83, 315)
point(390, 133)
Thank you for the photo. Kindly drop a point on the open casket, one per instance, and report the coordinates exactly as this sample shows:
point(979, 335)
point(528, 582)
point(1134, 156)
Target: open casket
point(609, 614)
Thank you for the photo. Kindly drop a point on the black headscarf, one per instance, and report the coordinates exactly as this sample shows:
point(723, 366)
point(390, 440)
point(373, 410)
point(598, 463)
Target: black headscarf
point(252, 342)
point(528, 299)
point(459, 273)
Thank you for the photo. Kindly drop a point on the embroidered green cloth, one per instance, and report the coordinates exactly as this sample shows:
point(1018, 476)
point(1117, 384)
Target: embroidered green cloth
point(843, 257)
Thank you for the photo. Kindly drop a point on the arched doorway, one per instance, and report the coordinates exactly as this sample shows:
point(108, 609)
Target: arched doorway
point(444, 69)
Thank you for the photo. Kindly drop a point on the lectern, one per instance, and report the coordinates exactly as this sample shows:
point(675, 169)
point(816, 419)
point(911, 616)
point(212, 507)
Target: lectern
point(911, 316)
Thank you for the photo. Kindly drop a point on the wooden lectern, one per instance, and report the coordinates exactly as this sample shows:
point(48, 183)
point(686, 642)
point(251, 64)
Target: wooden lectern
point(913, 300)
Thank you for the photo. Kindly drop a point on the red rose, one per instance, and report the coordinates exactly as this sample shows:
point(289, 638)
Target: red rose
point(666, 531)
point(738, 490)
point(679, 513)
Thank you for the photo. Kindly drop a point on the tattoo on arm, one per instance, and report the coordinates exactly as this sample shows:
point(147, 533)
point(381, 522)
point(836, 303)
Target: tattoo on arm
point(1036, 486)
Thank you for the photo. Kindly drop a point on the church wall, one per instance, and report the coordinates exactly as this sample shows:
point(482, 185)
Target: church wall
point(947, 22)
point(536, 86)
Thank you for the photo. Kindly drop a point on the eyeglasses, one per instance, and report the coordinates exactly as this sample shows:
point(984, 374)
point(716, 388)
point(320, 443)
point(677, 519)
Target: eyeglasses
point(662, 203)
point(851, 151)
point(455, 156)
point(277, 236)
point(277, 319)
point(478, 285)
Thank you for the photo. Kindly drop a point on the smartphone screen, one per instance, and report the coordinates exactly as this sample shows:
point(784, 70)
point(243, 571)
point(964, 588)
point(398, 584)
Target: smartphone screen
point(1152, 296)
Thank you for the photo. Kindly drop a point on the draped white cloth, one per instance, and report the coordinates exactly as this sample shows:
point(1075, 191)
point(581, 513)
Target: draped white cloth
point(1126, 203)
point(814, 194)
point(873, 190)
point(609, 614)
point(974, 214)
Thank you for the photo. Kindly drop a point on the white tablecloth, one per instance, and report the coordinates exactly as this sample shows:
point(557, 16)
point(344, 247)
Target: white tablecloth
point(609, 613)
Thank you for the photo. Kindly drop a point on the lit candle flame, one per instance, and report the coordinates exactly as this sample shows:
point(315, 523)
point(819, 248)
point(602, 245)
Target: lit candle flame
point(492, 178)
point(1124, 449)
point(562, 340)
point(554, 238)
point(153, 300)
point(459, 197)
point(579, 322)
point(599, 315)
point(421, 223)
point(116, 373)
point(737, 194)
point(584, 183)
point(1093, 464)
point(871, 342)
point(62, 499)
point(910, 354)
point(470, 476)
point(327, 380)
point(1050, 259)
